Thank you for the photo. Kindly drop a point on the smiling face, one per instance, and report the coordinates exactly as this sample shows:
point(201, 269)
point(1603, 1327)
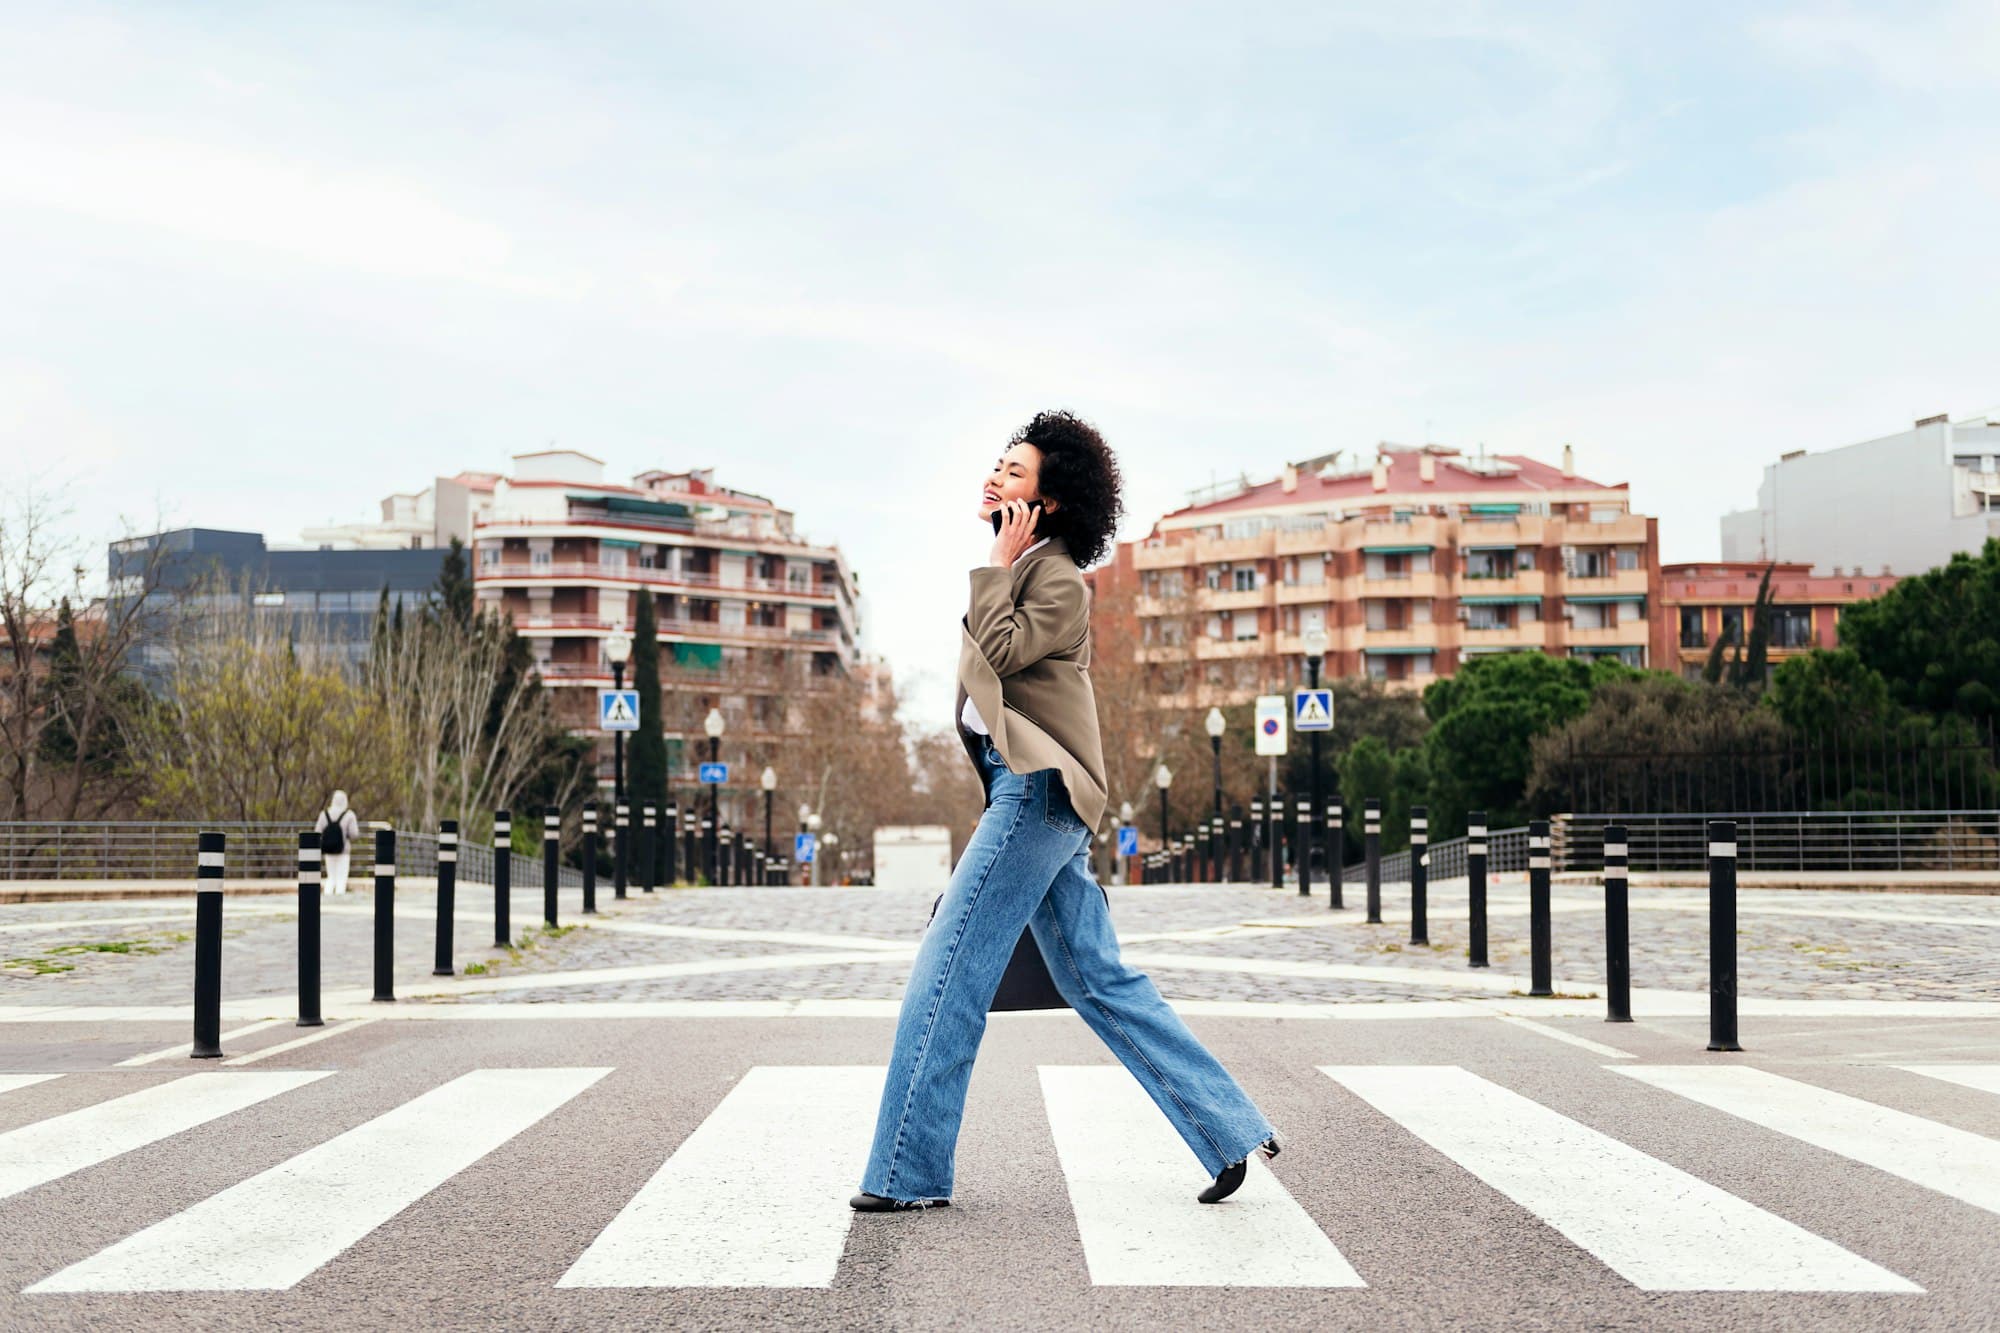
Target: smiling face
point(1016, 476)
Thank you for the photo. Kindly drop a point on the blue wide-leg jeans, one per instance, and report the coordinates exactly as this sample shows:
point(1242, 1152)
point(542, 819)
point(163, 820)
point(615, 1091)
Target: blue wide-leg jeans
point(1028, 865)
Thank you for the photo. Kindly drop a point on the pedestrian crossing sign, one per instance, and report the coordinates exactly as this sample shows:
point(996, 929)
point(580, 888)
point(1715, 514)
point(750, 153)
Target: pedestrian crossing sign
point(618, 710)
point(1128, 840)
point(804, 845)
point(1312, 710)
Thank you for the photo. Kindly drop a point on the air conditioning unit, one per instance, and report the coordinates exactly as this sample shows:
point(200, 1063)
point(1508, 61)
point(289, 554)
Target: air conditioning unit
point(1465, 613)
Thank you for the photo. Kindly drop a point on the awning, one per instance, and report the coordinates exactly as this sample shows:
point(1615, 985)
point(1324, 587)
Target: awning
point(1477, 649)
point(1396, 550)
point(1400, 651)
point(1501, 599)
point(1495, 508)
point(1490, 546)
point(1592, 599)
point(614, 541)
point(1600, 649)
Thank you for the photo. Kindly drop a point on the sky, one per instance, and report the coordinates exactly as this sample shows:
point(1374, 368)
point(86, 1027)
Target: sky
point(262, 265)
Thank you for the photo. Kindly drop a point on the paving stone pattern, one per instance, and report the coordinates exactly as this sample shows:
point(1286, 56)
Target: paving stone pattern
point(1792, 944)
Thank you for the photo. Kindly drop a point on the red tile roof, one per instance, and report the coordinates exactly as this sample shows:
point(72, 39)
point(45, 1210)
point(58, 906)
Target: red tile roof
point(1357, 483)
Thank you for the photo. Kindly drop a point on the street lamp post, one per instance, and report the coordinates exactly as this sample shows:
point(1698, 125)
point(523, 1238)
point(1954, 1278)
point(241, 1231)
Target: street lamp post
point(1163, 778)
point(769, 782)
point(712, 725)
point(1124, 821)
point(1315, 646)
point(1214, 726)
point(833, 850)
point(812, 826)
point(618, 651)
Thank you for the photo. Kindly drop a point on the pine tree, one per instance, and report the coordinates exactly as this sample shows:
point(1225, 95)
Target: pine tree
point(59, 740)
point(1754, 668)
point(454, 586)
point(1711, 672)
point(648, 778)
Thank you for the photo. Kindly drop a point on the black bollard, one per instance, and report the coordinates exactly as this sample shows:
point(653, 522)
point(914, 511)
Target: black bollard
point(1475, 885)
point(447, 895)
point(621, 859)
point(670, 828)
point(1371, 856)
point(1336, 854)
point(1420, 874)
point(385, 915)
point(551, 865)
point(309, 890)
point(1722, 935)
point(590, 858)
point(1254, 831)
point(1218, 848)
point(725, 860)
point(1235, 849)
point(208, 864)
point(1302, 836)
point(503, 877)
point(649, 815)
point(1541, 968)
point(1274, 817)
point(1617, 929)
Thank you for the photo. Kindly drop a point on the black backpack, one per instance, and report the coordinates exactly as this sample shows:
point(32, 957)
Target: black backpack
point(333, 842)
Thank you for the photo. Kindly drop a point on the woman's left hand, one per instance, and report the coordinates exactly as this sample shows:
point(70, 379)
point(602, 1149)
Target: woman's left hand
point(1017, 533)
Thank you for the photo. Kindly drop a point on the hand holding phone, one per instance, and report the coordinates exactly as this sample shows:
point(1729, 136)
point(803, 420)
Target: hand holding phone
point(1013, 531)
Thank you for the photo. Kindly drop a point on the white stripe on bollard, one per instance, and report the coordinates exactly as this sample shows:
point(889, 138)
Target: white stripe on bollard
point(204, 859)
point(1722, 849)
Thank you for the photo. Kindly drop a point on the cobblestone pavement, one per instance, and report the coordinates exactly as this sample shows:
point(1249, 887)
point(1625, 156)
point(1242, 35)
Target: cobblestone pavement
point(1255, 944)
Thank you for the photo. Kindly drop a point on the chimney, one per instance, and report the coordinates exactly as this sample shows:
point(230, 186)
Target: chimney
point(1427, 468)
point(1291, 480)
point(1569, 462)
point(1380, 480)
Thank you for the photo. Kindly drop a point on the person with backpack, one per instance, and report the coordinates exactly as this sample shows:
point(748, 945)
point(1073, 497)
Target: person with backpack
point(338, 828)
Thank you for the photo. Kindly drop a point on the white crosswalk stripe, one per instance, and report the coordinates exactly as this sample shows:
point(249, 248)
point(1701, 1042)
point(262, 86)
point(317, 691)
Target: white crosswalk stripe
point(1952, 1161)
point(270, 1231)
point(50, 1149)
point(756, 1196)
point(1653, 1224)
point(1980, 1078)
point(1133, 1182)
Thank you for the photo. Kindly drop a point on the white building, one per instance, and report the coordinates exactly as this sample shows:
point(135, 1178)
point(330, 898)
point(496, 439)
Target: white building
point(1898, 505)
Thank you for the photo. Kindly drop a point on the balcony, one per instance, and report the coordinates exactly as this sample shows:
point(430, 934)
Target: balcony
point(1616, 583)
point(1208, 550)
point(1624, 634)
point(1293, 594)
point(1358, 586)
point(1230, 599)
point(1626, 530)
point(1301, 540)
point(1521, 530)
point(1361, 638)
point(1167, 555)
point(1530, 634)
point(1524, 583)
point(1424, 531)
point(1208, 649)
point(587, 571)
point(672, 629)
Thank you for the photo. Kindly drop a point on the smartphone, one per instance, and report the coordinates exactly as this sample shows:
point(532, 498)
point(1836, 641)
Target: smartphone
point(998, 514)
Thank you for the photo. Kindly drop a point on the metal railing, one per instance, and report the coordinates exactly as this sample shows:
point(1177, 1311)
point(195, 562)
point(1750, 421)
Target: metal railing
point(1506, 851)
point(1794, 840)
point(165, 849)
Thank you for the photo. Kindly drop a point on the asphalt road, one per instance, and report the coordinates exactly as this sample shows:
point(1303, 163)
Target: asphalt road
point(1462, 1171)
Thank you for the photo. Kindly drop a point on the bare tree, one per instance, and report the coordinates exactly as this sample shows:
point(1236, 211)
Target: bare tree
point(68, 706)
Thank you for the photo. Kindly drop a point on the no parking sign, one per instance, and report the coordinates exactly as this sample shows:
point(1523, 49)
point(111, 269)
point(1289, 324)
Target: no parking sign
point(1271, 724)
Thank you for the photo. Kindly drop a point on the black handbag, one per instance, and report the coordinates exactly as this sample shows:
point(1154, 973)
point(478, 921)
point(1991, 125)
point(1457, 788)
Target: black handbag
point(1026, 984)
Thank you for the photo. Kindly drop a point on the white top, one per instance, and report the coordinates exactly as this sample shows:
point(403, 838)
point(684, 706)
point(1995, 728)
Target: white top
point(349, 825)
point(968, 714)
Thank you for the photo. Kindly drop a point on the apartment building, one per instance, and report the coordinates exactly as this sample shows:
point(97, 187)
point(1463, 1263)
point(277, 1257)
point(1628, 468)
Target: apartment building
point(1897, 505)
point(1410, 562)
point(1711, 600)
point(750, 613)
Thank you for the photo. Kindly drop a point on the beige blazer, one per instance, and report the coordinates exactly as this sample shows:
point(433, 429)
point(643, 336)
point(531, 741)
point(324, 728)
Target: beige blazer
point(1024, 661)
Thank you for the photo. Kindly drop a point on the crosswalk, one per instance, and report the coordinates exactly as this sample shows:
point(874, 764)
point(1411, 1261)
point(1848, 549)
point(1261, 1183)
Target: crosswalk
point(755, 1196)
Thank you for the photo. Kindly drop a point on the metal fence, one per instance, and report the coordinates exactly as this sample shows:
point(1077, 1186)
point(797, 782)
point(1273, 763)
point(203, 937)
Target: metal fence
point(111, 850)
point(1791, 840)
point(1506, 851)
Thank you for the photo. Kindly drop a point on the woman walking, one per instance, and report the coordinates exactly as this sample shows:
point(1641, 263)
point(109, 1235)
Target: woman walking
point(1029, 721)
point(338, 828)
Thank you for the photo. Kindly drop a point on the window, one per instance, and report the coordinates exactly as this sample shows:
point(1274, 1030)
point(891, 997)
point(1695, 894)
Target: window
point(1628, 557)
point(1214, 627)
point(1489, 564)
point(1732, 624)
point(1214, 576)
point(1791, 627)
point(1524, 558)
point(1587, 562)
point(1605, 513)
point(1246, 580)
point(1245, 625)
point(1694, 634)
point(1489, 617)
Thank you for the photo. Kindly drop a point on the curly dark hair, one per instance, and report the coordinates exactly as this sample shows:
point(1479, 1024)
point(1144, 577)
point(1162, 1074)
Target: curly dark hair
point(1079, 473)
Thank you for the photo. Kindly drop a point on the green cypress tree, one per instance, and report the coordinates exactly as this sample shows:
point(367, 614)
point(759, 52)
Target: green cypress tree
point(648, 778)
point(59, 739)
point(1757, 652)
point(454, 586)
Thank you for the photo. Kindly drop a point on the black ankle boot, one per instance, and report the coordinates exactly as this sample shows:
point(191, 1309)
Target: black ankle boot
point(864, 1202)
point(1232, 1175)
